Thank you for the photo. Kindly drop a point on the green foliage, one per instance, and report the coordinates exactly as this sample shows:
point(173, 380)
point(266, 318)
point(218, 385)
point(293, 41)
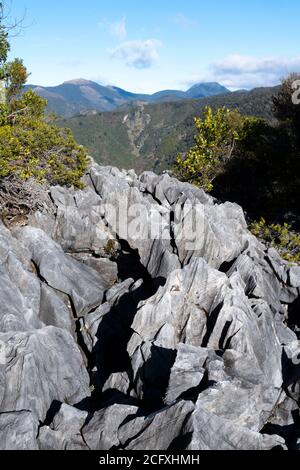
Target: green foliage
point(170, 131)
point(217, 135)
point(29, 105)
point(264, 175)
point(15, 75)
point(111, 248)
point(281, 237)
point(249, 160)
point(36, 149)
point(31, 146)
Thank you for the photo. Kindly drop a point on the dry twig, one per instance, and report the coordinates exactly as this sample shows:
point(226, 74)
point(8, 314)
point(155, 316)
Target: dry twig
point(21, 198)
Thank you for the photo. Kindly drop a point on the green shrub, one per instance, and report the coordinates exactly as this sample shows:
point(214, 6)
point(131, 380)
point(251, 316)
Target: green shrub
point(31, 146)
point(111, 248)
point(218, 133)
point(281, 237)
point(36, 149)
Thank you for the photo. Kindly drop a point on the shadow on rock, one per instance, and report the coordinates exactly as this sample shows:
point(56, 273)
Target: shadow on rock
point(290, 433)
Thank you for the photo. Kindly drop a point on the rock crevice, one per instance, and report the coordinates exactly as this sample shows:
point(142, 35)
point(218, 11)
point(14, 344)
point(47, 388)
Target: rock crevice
point(115, 339)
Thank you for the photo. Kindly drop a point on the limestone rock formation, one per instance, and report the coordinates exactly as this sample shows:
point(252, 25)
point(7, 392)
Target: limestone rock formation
point(140, 313)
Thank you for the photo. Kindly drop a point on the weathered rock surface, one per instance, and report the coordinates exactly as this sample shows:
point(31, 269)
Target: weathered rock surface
point(61, 272)
point(37, 372)
point(64, 433)
point(183, 334)
point(19, 431)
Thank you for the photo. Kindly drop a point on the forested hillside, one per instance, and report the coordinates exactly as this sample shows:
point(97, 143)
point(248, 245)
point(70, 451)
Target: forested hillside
point(149, 136)
point(84, 97)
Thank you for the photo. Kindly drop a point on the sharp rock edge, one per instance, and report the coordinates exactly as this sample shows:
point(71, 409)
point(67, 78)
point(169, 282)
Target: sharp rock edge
point(146, 345)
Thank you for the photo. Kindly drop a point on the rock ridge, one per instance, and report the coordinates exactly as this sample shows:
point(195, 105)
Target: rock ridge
point(140, 313)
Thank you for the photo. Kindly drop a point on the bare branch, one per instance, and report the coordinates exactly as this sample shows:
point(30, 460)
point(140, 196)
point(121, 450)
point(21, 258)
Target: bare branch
point(20, 198)
point(20, 111)
point(12, 24)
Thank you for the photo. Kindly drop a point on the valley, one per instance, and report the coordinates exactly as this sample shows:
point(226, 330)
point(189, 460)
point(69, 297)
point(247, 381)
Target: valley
point(149, 136)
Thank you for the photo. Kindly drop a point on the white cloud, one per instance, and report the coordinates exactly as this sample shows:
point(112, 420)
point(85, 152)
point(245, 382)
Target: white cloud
point(237, 71)
point(138, 54)
point(118, 29)
point(183, 21)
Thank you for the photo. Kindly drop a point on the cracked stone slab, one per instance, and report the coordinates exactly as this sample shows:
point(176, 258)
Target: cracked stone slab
point(62, 272)
point(210, 432)
point(40, 367)
point(19, 430)
point(64, 433)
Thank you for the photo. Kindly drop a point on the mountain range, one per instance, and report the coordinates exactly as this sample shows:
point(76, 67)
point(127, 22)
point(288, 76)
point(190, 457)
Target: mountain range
point(81, 97)
point(148, 136)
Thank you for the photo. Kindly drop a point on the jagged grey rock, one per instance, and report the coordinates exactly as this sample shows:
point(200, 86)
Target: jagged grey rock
point(101, 433)
point(62, 272)
point(201, 307)
point(208, 360)
point(19, 286)
point(212, 220)
point(211, 432)
point(79, 224)
point(188, 371)
point(120, 196)
point(64, 433)
point(19, 431)
point(107, 269)
point(54, 311)
point(40, 367)
point(178, 312)
point(159, 430)
point(91, 323)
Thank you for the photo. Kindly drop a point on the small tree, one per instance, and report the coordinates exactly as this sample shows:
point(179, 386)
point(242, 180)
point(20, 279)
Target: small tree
point(217, 134)
point(15, 76)
point(33, 149)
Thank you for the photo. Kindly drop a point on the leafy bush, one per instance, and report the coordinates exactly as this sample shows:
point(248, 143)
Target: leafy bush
point(264, 175)
point(215, 142)
point(259, 176)
point(36, 149)
point(33, 147)
point(281, 237)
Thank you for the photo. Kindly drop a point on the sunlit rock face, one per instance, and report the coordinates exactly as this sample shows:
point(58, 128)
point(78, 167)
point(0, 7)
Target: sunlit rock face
point(140, 314)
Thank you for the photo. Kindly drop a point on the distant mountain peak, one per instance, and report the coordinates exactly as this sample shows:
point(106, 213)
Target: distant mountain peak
point(79, 82)
point(81, 96)
point(206, 84)
point(206, 89)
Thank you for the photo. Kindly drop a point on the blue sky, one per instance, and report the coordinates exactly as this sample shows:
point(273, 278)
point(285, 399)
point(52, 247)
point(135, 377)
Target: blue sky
point(146, 46)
